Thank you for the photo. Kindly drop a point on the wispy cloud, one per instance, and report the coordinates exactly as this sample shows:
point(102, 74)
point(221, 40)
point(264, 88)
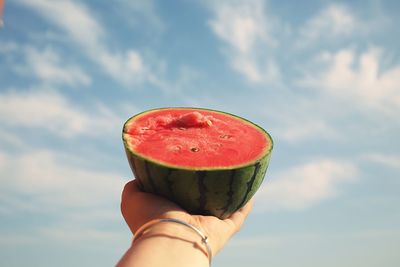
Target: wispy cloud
point(245, 29)
point(358, 79)
point(49, 68)
point(334, 21)
point(302, 186)
point(80, 201)
point(256, 41)
point(293, 130)
point(8, 47)
point(388, 160)
point(46, 64)
point(76, 20)
point(137, 13)
point(47, 109)
point(10, 139)
point(54, 184)
point(70, 234)
point(74, 234)
point(283, 240)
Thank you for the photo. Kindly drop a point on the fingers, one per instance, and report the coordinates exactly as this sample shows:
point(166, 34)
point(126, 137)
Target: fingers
point(130, 188)
point(132, 185)
point(247, 208)
point(131, 204)
point(127, 193)
point(239, 216)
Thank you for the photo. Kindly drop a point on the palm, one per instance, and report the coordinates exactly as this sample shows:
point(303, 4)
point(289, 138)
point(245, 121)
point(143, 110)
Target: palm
point(139, 207)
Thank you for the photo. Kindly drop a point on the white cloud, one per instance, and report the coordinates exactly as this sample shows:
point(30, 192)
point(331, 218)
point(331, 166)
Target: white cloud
point(296, 117)
point(52, 184)
point(302, 186)
point(333, 21)
point(295, 130)
point(45, 64)
point(127, 67)
point(10, 139)
point(240, 23)
point(78, 234)
point(50, 110)
point(137, 13)
point(388, 160)
point(245, 29)
point(8, 47)
point(71, 16)
point(48, 67)
point(360, 80)
point(82, 27)
point(283, 240)
point(79, 200)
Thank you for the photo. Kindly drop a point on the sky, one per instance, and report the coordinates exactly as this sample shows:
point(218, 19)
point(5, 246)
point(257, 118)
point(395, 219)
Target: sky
point(322, 77)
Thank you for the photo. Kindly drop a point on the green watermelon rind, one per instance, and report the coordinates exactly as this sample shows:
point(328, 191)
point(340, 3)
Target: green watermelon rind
point(217, 191)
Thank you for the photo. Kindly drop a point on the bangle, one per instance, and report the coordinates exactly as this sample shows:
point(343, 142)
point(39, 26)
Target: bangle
point(204, 238)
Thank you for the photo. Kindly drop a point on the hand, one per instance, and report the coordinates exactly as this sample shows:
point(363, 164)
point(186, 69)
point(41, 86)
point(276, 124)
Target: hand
point(139, 208)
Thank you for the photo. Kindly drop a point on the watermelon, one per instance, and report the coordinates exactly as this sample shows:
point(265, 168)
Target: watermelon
point(207, 161)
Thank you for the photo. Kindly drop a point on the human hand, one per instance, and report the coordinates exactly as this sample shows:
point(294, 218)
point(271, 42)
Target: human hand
point(139, 207)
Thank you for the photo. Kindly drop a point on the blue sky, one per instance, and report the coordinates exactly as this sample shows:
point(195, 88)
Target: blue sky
point(323, 77)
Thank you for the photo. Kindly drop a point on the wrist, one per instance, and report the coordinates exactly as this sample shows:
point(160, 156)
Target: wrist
point(168, 230)
point(176, 238)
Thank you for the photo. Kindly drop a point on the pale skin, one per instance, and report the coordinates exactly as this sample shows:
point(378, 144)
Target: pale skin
point(170, 244)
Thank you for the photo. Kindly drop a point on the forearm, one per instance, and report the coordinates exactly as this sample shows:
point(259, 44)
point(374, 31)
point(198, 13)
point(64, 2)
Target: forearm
point(166, 245)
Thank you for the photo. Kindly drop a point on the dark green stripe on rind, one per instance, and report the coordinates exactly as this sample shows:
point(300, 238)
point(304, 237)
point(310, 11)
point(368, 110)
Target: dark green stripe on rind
point(225, 209)
point(170, 184)
point(185, 188)
point(150, 178)
point(249, 185)
point(202, 191)
point(131, 161)
point(217, 184)
point(139, 170)
point(161, 178)
point(217, 192)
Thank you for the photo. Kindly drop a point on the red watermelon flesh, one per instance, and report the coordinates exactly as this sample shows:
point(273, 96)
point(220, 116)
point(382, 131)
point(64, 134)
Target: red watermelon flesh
point(196, 139)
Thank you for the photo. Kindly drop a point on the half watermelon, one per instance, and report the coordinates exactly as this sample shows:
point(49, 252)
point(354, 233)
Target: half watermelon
point(209, 162)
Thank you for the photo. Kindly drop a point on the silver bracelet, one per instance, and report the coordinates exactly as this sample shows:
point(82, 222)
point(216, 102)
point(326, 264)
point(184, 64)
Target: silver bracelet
point(204, 238)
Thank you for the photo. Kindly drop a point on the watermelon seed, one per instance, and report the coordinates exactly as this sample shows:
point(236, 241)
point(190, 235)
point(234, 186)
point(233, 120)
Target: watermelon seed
point(182, 128)
point(225, 136)
point(195, 149)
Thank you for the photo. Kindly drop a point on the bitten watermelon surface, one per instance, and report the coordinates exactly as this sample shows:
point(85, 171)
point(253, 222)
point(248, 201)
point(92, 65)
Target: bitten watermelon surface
point(207, 161)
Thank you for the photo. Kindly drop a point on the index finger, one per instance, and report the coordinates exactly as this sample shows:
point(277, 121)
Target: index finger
point(239, 216)
point(130, 187)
